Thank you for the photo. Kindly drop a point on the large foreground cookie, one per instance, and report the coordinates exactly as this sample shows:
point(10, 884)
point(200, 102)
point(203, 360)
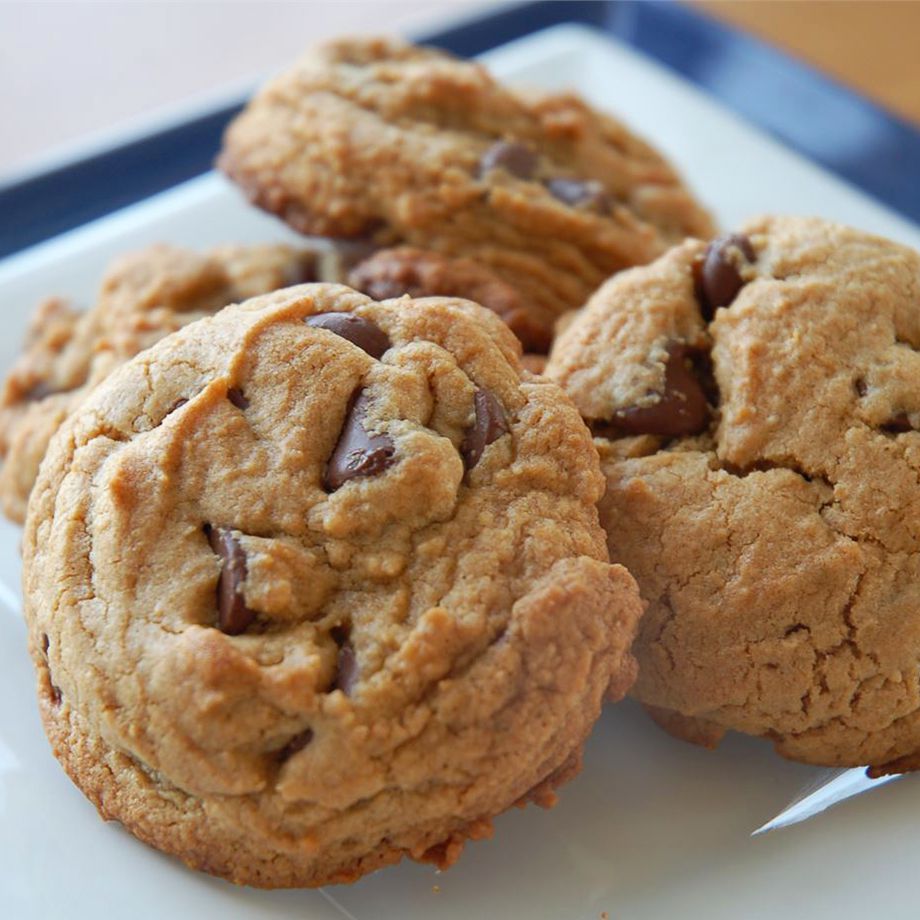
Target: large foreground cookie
point(144, 296)
point(319, 583)
point(757, 406)
point(376, 138)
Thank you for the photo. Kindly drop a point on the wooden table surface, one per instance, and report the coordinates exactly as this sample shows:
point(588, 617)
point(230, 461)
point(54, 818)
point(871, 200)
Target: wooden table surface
point(870, 45)
point(72, 69)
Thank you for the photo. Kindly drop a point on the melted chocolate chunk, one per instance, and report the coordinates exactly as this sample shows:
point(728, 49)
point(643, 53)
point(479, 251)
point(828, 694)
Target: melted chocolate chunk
point(898, 425)
point(233, 616)
point(514, 158)
point(346, 673)
point(682, 408)
point(581, 193)
point(701, 364)
point(362, 332)
point(358, 453)
point(718, 279)
point(490, 424)
point(238, 398)
point(297, 743)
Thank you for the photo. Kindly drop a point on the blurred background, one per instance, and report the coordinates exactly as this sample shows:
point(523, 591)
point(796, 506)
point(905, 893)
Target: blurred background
point(74, 72)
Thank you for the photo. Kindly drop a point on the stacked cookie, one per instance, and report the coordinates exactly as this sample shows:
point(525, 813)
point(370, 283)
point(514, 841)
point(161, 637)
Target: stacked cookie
point(319, 575)
point(386, 142)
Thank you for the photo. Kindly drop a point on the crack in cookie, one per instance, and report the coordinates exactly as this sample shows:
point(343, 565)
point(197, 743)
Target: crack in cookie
point(780, 547)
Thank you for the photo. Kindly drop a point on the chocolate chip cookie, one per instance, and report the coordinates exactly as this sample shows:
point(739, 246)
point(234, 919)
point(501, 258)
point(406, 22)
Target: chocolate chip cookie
point(318, 583)
point(400, 270)
point(756, 403)
point(144, 296)
point(373, 138)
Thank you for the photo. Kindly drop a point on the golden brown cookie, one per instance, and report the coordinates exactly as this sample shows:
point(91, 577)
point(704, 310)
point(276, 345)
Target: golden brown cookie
point(318, 583)
point(375, 138)
point(422, 273)
point(144, 296)
point(757, 407)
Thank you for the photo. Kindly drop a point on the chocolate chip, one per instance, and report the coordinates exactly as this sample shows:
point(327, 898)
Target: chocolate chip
point(368, 336)
point(584, 193)
point(55, 692)
point(297, 743)
point(490, 424)
point(233, 616)
point(339, 634)
point(898, 425)
point(45, 644)
point(238, 398)
point(718, 279)
point(514, 158)
point(346, 673)
point(357, 452)
point(682, 408)
point(861, 387)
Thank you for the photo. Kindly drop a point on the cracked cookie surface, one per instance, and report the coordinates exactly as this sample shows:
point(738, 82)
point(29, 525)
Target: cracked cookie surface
point(144, 296)
point(756, 404)
point(319, 583)
point(377, 138)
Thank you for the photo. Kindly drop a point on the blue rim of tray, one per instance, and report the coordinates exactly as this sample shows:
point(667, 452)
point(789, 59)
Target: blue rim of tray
point(809, 112)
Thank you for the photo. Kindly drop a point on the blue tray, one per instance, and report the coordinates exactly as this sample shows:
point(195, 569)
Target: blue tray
point(807, 111)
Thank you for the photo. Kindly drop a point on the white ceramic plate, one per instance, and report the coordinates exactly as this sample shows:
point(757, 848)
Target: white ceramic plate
point(653, 828)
